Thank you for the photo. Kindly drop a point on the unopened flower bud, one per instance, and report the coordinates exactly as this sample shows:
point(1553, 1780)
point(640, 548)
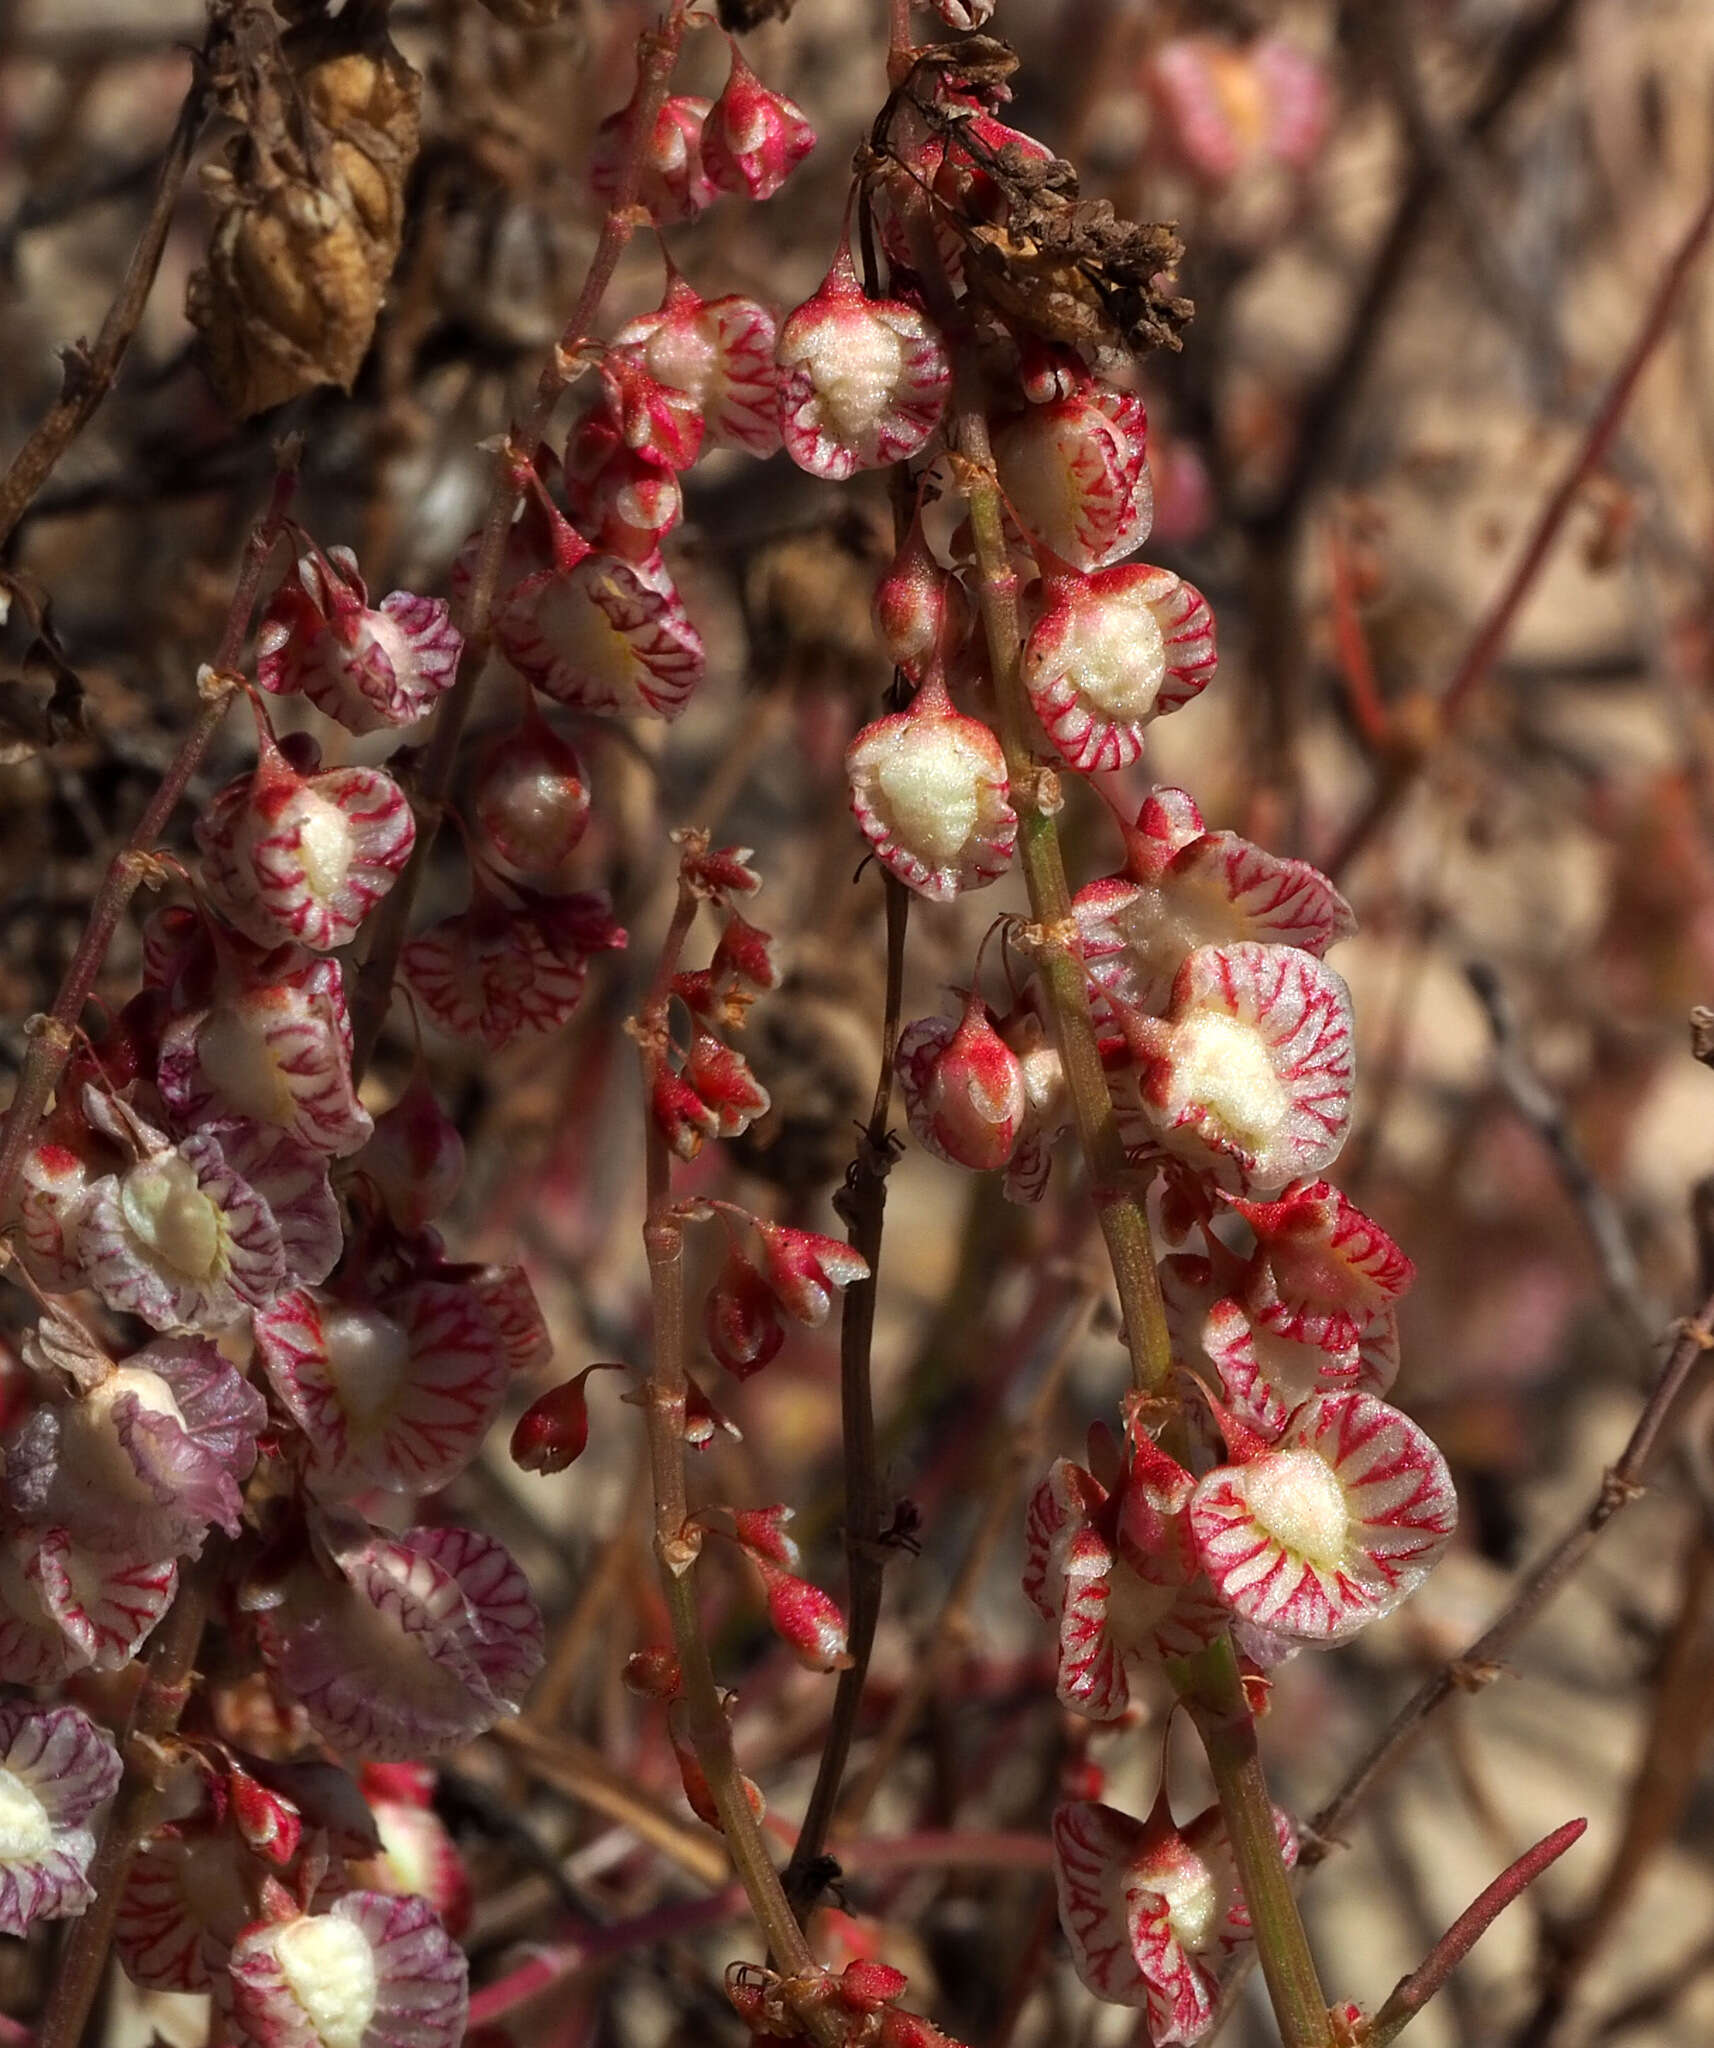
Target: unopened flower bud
point(554, 1430)
point(753, 139)
point(963, 1086)
point(531, 799)
point(654, 1673)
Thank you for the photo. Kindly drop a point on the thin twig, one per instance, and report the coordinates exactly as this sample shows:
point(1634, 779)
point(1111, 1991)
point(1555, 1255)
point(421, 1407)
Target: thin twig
point(53, 1036)
point(1495, 628)
point(1545, 1114)
point(1480, 1662)
point(862, 1203)
point(1011, 1456)
point(88, 371)
point(1412, 1993)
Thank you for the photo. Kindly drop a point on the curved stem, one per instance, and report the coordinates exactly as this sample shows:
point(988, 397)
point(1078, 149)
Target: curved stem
point(664, 1406)
point(1210, 1683)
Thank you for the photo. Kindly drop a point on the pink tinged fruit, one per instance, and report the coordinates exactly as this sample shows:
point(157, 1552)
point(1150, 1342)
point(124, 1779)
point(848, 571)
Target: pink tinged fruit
point(807, 1620)
point(415, 1158)
point(1332, 1526)
point(1262, 1376)
point(741, 1318)
point(510, 966)
point(1226, 109)
point(1115, 1573)
point(1248, 1076)
point(1151, 1911)
point(601, 634)
point(1323, 1272)
point(1074, 471)
point(919, 608)
point(697, 1791)
point(865, 380)
point(1185, 887)
point(367, 667)
point(805, 1269)
point(673, 184)
point(402, 1646)
point(137, 1466)
point(753, 139)
point(373, 1971)
point(66, 1608)
point(1110, 653)
point(930, 793)
point(720, 354)
point(397, 1398)
point(56, 1768)
point(304, 857)
point(553, 1432)
point(963, 1088)
point(532, 798)
point(274, 1049)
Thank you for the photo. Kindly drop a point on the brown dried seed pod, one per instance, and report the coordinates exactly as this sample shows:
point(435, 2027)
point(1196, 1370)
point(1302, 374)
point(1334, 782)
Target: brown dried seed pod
point(309, 208)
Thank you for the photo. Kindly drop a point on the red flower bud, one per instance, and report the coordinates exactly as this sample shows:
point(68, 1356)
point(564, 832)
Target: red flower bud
point(653, 1674)
point(806, 1619)
point(553, 1431)
point(762, 1532)
point(741, 1318)
point(753, 139)
point(532, 802)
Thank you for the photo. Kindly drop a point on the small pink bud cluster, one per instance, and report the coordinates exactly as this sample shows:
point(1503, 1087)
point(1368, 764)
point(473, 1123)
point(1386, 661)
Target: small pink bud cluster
point(864, 1997)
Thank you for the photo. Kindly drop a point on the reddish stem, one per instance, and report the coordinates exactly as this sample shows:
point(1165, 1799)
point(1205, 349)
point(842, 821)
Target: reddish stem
point(1412, 1993)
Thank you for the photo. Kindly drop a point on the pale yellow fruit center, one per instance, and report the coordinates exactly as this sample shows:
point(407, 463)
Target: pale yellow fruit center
point(330, 1968)
point(932, 793)
point(324, 844)
point(172, 1218)
point(1117, 658)
point(235, 1057)
point(1224, 1066)
point(854, 364)
point(367, 1359)
point(1299, 1502)
point(26, 1833)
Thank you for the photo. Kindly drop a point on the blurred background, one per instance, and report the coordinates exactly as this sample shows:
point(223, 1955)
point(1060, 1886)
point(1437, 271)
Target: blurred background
point(1422, 240)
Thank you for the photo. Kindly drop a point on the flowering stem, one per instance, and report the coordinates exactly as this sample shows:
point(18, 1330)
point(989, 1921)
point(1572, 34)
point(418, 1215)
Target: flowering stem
point(1035, 796)
point(657, 52)
point(166, 1687)
point(53, 1036)
point(862, 1202)
point(664, 1406)
point(1212, 1687)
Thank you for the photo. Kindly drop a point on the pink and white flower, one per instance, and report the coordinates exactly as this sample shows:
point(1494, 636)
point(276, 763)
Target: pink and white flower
point(599, 633)
point(65, 1608)
point(1262, 1375)
point(963, 1086)
point(865, 380)
point(805, 1269)
point(138, 1464)
point(1248, 1075)
point(1151, 1911)
point(1185, 887)
point(753, 139)
point(720, 354)
point(373, 1971)
point(415, 1159)
point(402, 1646)
point(1075, 471)
point(399, 1398)
point(1111, 652)
point(930, 793)
point(1225, 109)
point(56, 1768)
point(506, 969)
point(304, 857)
point(271, 1043)
point(1323, 1272)
point(1332, 1526)
point(365, 666)
point(673, 185)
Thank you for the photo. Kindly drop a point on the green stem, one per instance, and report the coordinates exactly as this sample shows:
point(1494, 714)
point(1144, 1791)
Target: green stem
point(1213, 1690)
point(1117, 1188)
point(1210, 1683)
